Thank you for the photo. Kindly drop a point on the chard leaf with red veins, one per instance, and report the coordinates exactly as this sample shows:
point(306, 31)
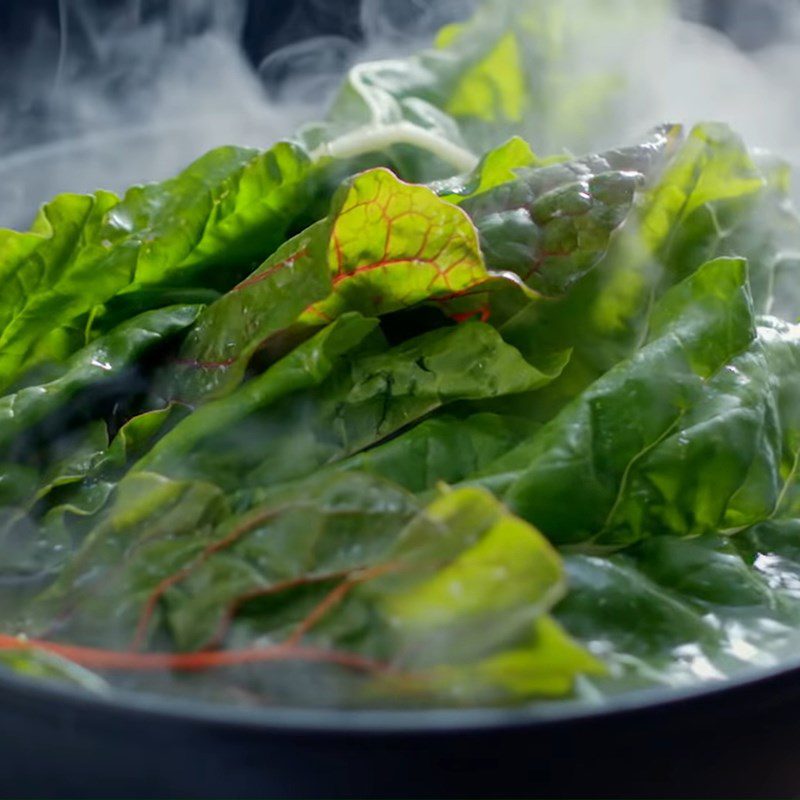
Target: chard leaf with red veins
point(386, 245)
point(553, 224)
point(217, 351)
point(91, 262)
point(392, 245)
point(347, 571)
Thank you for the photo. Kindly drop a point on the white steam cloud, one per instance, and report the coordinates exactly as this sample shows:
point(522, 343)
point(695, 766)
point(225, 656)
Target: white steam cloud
point(690, 73)
point(136, 102)
point(160, 90)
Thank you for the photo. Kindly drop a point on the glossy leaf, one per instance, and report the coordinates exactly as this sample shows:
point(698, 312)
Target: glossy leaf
point(229, 209)
point(392, 245)
point(497, 167)
point(386, 245)
point(84, 489)
point(100, 362)
point(604, 318)
point(218, 350)
point(553, 224)
point(571, 473)
point(444, 448)
point(727, 463)
point(308, 571)
point(307, 366)
point(364, 396)
point(675, 611)
point(38, 281)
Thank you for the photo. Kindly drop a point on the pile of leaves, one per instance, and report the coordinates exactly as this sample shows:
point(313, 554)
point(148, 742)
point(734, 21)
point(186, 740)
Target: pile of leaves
point(325, 425)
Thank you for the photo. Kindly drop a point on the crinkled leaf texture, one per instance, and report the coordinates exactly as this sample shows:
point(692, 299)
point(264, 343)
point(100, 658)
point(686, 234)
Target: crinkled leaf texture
point(386, 245)
point(205, 227)
point(711, 201)
point(568, 479)
point(102, 361)
point(326, 401)
point(445, 602)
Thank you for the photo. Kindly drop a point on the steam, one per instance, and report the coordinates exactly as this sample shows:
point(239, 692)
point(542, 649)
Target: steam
point(113, 99)
point(128, 100)
point(691, 73)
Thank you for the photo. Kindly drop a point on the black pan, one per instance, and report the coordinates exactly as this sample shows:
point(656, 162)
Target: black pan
point(737, 739)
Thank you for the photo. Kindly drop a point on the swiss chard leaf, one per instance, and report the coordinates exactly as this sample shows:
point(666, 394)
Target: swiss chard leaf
point(344, 566)
point(709, 191)
point(391, 245)
point(497, 167)
point(147, 508)
point(99, 362)
point(83, 489)
point(732, 461)
point(674, 611)
point(206, 227)
point(711, 184)
point(385, 245)
point(444, 448)
point(368, 395)
point(568, 478)
point(309, 365)
point(552, 224)
point(37, 278)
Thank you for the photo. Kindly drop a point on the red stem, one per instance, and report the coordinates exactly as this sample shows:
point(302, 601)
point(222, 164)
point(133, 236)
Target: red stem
point(114, 660)
point(267, 591)
point(161, 589)
point(333, 598)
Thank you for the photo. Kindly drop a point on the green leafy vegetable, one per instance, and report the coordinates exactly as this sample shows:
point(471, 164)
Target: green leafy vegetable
point(320, 404)
point(511, 69)
point(328, 584)
point(206, 227)
point(445, 448)
point(402, 414)
point(39, 280)
point(570, 475)
point(385, 245)
point(101, 361)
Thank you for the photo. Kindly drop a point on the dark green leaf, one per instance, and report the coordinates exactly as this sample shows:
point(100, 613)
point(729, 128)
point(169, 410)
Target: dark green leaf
point(101, 361)
point(366, 396)
point(568, 478)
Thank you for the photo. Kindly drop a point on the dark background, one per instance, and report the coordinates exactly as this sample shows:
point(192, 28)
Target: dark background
point(30, 40)
point(269, 23)
point(272, 23)
point(31, 43)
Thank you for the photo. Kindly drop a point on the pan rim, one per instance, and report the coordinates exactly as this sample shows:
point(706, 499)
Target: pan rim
point(347, 722)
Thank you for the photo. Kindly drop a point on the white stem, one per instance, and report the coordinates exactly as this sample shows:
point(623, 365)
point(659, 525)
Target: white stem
point(372, 138)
